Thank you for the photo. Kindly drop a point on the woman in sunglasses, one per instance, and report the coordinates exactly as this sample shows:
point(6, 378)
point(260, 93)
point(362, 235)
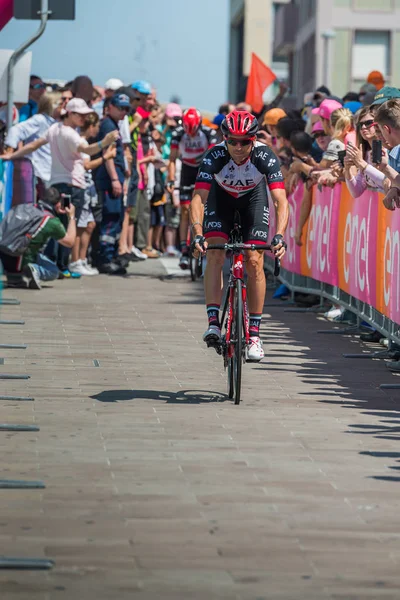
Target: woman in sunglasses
point(359, 173)
point(234, 176)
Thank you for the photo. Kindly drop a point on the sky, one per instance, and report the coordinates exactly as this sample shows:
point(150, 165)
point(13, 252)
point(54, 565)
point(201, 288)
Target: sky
point(180, 46)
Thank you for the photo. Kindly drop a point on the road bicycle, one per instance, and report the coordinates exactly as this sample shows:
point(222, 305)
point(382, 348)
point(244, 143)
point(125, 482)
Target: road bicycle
point(235, 338)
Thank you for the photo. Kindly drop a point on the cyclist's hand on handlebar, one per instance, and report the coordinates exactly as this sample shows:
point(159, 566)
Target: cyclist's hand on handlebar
point(199, 246)
point(279, 246)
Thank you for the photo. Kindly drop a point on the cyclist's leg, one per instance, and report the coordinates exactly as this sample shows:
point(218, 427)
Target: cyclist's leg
point(255, 222)
point(218, 221)
point(188, 179)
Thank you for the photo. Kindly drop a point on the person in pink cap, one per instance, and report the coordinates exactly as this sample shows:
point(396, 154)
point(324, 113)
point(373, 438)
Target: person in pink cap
point(324, 111)
point(319, 135)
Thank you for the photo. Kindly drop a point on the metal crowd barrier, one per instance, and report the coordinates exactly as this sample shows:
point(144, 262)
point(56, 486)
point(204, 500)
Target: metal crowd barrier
point(306, 285)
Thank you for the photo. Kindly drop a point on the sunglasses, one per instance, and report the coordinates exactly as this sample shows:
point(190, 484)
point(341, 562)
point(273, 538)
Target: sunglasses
point(65, 98)
point(38, 86)
point(319, 135)
point(241, 143)
point(367, 124)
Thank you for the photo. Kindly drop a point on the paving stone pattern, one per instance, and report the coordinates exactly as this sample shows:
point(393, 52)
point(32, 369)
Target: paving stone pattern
point(158, 487)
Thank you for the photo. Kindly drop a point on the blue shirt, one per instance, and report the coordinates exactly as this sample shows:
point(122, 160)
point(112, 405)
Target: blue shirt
point(28, 110)
point(394, 158)
point(101, 176)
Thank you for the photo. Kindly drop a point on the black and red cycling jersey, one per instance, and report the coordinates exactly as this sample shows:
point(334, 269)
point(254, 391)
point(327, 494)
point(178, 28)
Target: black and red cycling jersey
point(239, 180)
point(192, 149)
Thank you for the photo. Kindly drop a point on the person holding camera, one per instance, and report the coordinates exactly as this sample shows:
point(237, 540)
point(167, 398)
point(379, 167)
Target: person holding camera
point(359, 172)
point(32, 267)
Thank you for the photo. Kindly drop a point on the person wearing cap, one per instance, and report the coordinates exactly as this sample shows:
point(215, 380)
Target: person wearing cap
point(67, 168)
point(323, 113)
point(144, 91)
point(270, 122)
point(321, 139)
point(37, 88)
point(111, 86)
point(109, 179)
point(383, 95)
point(353, 106)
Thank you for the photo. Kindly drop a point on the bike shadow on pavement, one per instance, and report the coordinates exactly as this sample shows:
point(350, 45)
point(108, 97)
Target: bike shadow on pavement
point(181, 397)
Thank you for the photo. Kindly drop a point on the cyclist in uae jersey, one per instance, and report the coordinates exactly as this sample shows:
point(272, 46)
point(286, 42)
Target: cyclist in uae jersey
point(233, 177)
point(189, 142)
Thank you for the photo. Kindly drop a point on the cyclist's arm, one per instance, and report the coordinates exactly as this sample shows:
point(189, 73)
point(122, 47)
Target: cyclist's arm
point(196, 211)
point(281, 205)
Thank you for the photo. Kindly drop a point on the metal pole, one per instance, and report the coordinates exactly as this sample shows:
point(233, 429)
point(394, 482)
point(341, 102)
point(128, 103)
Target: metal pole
point(325, 75)
point(44, 14)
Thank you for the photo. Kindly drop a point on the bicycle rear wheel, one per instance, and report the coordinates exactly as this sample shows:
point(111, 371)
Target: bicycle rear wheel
point(237, 338)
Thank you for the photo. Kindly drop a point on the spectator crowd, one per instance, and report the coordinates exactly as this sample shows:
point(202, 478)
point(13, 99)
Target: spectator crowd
point(110, 183)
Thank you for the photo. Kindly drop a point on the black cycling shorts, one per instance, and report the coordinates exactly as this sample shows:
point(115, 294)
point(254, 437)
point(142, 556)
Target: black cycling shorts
point(188, 180)
point(253, 207)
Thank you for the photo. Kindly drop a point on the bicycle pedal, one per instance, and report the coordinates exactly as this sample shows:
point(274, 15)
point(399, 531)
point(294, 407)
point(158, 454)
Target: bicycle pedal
point(216, 344)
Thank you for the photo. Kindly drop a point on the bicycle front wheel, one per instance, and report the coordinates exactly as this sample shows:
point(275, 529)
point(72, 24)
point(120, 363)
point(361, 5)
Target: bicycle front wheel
point(237, 339)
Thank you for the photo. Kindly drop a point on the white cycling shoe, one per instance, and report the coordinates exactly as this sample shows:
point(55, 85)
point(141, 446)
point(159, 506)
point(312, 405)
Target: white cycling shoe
point(255, 352)
point(212, 335)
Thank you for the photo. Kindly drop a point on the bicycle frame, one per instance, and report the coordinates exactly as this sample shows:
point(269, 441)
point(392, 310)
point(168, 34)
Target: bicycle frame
point(236, 272)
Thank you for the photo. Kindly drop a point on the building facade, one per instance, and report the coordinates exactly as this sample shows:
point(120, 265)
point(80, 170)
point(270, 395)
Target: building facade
point(338, 42)
point(252, 30)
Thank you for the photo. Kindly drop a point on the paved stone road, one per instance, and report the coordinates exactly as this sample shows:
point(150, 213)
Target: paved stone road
point(157, 487)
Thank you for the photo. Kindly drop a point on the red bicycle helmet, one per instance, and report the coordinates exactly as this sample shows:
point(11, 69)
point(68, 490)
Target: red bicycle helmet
point(191, 121)
point(240, 123)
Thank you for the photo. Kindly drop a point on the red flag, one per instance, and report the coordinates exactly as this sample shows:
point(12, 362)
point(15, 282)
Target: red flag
point(259, 79)
point(6, 12)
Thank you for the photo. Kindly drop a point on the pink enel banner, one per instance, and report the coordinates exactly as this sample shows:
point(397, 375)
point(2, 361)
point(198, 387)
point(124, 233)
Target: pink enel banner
point(351, 243)
point(357, 245)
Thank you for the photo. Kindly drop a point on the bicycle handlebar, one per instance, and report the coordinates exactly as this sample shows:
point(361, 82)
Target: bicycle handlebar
point(237, 247)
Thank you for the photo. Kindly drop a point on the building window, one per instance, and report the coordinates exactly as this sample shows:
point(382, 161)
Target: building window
point(371, 52)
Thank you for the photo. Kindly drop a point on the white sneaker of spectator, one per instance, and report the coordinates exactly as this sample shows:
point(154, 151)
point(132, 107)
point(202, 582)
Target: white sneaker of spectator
point(88, 267)
point(335, 313)
point(79, 267)
point(171, 251)
point(139, 253)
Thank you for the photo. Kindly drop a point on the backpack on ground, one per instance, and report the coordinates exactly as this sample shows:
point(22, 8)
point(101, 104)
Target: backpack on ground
point(19, 226)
